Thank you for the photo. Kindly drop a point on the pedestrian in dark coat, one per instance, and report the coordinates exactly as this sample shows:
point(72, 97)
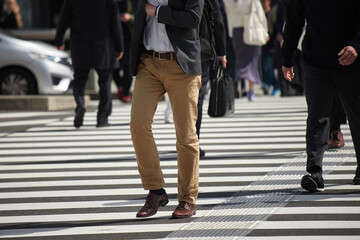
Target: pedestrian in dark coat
point(95, 42)
point(217, 53)
point(123, 81)
point(332, 67)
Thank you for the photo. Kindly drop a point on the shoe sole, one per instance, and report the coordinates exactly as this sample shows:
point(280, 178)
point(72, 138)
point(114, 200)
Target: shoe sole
point(183, 216)
point(310, 185)
point(79, 118)
point(334, 147)
point(163, 204)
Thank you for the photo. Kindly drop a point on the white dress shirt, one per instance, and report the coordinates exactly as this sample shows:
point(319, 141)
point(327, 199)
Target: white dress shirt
point(155, 36)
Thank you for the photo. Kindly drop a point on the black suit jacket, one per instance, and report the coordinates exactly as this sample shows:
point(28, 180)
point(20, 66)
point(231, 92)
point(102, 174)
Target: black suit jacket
point(182, 19)
point(96, 32)
point(219, 30)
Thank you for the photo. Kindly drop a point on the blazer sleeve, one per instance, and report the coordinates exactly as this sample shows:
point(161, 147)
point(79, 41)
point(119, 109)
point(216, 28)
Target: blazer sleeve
point(134, 5)
point(219, 30)
point(64, 22)
point(295, 21)
point(355, 43)
point(116, 29)
point(189, 17)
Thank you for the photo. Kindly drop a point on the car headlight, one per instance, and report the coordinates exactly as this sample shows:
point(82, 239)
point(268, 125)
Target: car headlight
point(66, 61)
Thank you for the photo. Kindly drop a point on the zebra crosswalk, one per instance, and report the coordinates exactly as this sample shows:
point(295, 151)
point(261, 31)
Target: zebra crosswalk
point(62, 183)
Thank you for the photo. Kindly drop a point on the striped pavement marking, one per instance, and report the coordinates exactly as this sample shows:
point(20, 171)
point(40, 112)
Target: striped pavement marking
point(57, 182)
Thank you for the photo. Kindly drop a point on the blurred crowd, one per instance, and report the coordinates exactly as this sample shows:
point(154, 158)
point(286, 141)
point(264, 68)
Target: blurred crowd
point(259, 65)
point(10, 17)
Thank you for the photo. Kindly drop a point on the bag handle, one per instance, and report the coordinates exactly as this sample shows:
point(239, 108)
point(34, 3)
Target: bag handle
point(219, 72)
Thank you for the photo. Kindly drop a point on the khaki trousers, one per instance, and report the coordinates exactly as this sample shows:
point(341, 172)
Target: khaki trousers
point(154, 78)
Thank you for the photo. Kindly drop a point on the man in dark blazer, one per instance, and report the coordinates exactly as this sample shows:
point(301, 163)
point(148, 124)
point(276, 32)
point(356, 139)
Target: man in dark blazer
point(208, 56)
point(96, 41)
point(165, 57)
point(332, 67)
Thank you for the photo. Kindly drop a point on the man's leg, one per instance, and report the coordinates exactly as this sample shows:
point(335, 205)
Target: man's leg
point(205, 66)
point(348, 86)
point(183, 90)
point(319, 93)
point(80, 78)
point(127, 78)
point(148, 90)
point(337, 117)
point(105, 98)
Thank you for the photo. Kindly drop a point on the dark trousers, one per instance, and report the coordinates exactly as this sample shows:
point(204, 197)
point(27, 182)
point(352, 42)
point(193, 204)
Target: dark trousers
point(124, 82)
point(104, 81)
point(321, 85)
point(337, 116)
point(206, 67)
point(267, 61)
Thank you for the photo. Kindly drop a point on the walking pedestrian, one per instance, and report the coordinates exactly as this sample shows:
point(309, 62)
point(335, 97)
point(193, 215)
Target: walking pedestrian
point(248, 57)
point(332, 67)
point(165, 57)
point(213, 43)
point(95, 42)
point(10, 16)
point(121, 74)
point(268, 51)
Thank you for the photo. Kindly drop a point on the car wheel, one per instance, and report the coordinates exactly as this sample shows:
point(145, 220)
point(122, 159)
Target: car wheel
point(17, 81)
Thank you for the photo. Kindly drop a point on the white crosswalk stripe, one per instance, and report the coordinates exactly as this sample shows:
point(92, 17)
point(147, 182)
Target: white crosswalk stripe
point(58, 182)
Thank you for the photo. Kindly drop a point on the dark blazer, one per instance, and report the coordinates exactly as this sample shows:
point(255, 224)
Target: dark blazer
point(219, 30)
point(322, 42)
point(96, 32)
point(182, 19)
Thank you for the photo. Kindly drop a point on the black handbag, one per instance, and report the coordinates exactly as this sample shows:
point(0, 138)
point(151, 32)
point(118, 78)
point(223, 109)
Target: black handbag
point(222, 99)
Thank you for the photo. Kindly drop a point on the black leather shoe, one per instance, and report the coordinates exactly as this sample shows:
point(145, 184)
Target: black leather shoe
point(152, 204)
point(184, 210)
point(79, 117)
point(313, 183)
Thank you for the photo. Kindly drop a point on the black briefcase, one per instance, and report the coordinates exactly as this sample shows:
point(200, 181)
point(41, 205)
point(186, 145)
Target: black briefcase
point(222, 99)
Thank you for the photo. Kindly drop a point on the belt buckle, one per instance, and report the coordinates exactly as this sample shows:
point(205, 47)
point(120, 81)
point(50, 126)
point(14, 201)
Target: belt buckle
point(162, 59)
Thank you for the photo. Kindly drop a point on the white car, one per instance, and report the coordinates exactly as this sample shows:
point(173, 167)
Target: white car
point(31, 67)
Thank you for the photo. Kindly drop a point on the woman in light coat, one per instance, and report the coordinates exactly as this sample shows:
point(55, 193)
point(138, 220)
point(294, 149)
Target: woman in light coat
point(248, 57)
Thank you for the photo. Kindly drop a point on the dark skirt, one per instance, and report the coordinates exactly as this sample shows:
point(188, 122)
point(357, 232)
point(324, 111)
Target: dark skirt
point(248, 58)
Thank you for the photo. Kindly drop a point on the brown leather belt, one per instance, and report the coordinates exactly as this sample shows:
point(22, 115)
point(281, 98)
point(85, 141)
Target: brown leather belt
point(161, 55)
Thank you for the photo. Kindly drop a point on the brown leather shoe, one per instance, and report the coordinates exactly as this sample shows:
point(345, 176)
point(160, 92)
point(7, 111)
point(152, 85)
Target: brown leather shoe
point(152, 204)
point(184, 210)
point(337, 139)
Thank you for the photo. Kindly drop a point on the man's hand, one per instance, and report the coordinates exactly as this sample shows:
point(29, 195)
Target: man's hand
point(288, 73)
point(150, 9)
point(347, 56)
point(125, 17)
point(222, 61)
point(119, 55)
point(62, 47)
